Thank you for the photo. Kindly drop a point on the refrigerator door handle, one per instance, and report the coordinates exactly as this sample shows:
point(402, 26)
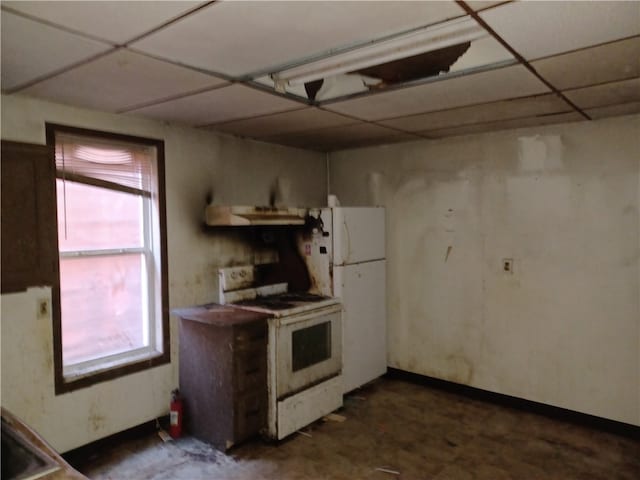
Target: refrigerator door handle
point(346, 243)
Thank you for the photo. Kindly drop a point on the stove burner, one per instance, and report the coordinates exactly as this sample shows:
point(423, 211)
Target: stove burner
point(300, 297)
point(264, 303)
point(283, 301)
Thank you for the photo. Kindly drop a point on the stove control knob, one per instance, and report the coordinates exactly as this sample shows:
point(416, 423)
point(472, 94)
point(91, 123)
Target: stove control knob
point(233, 275)
point(243, 274)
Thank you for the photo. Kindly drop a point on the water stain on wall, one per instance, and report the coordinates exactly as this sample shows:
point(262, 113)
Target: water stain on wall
point(460, 369)
point(43, 333)
point(96, 420)
point(455, 368)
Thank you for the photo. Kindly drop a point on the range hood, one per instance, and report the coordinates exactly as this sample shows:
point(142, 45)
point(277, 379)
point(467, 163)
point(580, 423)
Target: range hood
point(220, 215)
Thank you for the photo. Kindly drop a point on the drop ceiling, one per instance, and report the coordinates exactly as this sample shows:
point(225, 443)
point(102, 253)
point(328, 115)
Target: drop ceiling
point(203, 64)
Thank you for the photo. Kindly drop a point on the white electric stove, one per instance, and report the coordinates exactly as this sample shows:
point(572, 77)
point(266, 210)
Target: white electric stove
point(304, 349)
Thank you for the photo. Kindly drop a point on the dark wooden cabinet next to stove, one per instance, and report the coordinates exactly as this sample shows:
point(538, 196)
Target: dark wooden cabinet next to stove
point(223, 373)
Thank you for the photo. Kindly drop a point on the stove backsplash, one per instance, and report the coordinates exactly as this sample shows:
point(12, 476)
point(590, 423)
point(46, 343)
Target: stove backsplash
point(278, 257)
point(290, 267)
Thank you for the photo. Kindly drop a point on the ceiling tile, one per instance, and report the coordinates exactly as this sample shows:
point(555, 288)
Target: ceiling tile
point(267, 34)
point(540, 29)
point(336, 138)
point(483, 87)
point(110, 20)
point(614, 110)
point(502, 110)
point(606, 63)
point(607, 94)
point(368, 142)
point(284, 123)
point(31, 50)
point(481, 4)
point(504, 125)
point(124, 79)
point(484, 51)
point(220, 105)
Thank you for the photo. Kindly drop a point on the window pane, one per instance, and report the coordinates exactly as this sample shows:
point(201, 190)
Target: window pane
point(102, 301)
point(93, 218)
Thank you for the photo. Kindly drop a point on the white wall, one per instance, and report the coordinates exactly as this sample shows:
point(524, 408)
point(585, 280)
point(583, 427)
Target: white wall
point(563, 202)
point(238, 171)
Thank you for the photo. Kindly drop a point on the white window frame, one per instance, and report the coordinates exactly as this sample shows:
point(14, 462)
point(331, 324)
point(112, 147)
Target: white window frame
point(87, 367)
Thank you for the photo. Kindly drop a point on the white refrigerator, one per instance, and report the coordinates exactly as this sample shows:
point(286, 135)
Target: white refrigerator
point(346, 259)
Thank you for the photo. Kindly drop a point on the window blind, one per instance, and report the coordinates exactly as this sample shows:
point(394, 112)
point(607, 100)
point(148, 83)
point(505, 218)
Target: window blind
point(103, 163)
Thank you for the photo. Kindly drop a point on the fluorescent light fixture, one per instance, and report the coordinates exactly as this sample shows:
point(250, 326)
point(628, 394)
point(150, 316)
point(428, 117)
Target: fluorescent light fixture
point(415, 42)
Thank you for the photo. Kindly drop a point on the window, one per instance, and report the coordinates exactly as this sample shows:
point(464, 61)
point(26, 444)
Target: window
point(110, 315)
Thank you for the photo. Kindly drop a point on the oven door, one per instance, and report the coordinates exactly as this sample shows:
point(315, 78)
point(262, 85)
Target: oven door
point(308, 349)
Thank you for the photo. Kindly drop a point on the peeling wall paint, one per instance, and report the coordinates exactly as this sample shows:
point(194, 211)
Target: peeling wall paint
point(561, 202)
point(197, 162)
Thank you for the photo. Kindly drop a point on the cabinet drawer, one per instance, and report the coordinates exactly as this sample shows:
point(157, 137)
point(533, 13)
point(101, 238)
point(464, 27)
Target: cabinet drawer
point(250, 337)
point(250, 415)
point(250, 371)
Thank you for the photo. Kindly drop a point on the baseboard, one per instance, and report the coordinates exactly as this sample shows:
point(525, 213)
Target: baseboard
point(591, 421)
point(87, 453)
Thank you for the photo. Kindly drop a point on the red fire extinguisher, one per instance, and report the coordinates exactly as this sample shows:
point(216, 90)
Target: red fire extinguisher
point(175, 414)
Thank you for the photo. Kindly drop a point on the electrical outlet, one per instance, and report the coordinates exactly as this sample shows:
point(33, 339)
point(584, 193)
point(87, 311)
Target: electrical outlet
point(507, 265)
point(43, 308)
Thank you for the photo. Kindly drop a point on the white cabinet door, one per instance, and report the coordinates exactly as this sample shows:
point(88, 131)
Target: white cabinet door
point(358, 234)
point(362, 290)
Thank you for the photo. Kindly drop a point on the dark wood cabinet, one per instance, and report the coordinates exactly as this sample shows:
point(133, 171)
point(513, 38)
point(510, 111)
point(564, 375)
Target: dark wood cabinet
point(223, 373)
point(29, 226)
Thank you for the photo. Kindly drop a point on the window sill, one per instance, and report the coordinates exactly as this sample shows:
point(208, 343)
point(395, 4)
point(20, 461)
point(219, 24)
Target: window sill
point(84, 377)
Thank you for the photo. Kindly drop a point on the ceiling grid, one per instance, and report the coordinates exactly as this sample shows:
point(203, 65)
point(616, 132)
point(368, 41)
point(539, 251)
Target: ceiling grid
point(206, 64)
point(519, 57)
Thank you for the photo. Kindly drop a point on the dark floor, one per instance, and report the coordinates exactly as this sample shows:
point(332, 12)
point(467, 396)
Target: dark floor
point(419, 432)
